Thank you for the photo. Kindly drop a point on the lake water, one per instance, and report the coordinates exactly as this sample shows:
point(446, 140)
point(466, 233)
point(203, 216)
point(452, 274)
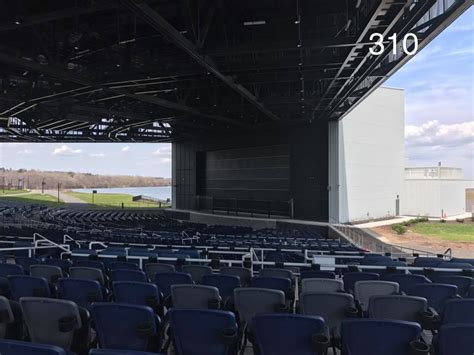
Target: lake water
point(160, 192)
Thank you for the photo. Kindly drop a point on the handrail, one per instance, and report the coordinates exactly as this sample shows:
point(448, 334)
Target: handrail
point(43, 239)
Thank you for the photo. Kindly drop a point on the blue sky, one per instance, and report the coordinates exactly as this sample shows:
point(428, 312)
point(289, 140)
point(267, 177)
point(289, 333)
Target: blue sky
point(438, 83)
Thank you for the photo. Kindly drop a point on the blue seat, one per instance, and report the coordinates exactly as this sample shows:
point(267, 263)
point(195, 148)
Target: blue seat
point(351, 278)
point(138, 293)
point(11, 269)
point(119, 352)
point(462, 282)
point(62, 263)
point(122, 265)
point(13, 347)
point(82, 292)
point(436, 294)
point(203, 331)
point(28, 286)
point(376, 337)
point(96, 264)
point(26, 262)
point(125, 326)
point(459, 311)
point(315, 274)
point(405, 281)
point(470, 293)
point(226, 284)
point(274, 283)
point(282, 334)
point(166, 279)
point(127, 275)
point(455, 339)
point(427, 262)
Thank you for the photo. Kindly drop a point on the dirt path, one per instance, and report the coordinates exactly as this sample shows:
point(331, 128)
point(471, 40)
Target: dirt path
point(63, 196)
point(418, 241)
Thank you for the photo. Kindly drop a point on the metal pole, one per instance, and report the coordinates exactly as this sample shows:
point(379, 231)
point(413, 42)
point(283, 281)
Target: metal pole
point(59, 185)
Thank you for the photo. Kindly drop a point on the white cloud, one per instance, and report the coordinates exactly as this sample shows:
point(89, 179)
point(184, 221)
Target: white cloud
point(126, 148)
point(66, 151)
point(432, 133)
point(165, 160)
point(98, 155)
point(163, 152)
point(25, 152)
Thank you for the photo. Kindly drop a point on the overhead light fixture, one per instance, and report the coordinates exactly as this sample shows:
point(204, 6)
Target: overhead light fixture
point(297, 22)
point(298, 45)
point(17, 22)
point(300, 64)
point(117, 65)
point(183, 32)
point(255, 23)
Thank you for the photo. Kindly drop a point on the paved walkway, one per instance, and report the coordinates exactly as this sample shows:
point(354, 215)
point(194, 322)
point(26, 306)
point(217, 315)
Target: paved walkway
point(63, 196)
point(407, 218)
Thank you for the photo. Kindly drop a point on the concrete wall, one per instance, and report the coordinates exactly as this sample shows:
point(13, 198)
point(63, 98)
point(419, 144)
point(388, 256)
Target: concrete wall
point(371, 157)
point(429, 197)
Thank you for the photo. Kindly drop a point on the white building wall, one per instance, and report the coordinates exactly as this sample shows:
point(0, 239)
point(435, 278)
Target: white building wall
point(371, 157)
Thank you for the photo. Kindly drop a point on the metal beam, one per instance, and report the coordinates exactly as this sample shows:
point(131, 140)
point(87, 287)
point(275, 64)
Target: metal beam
point(150, 16)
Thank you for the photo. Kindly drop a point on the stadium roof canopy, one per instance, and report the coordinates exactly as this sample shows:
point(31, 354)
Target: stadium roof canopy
point(164, 70)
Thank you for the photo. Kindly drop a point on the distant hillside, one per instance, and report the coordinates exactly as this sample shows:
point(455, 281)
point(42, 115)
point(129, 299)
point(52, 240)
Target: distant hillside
point(70, 180)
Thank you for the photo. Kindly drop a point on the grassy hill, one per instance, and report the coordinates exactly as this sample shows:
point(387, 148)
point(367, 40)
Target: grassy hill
point(33, 179)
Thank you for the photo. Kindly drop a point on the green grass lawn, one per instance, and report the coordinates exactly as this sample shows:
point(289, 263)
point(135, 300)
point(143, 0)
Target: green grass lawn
point(453, 231)
point(32, 198)
point(111, 200)
point(11, 192)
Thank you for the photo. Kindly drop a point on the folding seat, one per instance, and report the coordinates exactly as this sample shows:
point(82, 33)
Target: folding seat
point(351, 278)
point(119, 352)
point(138, 293)
point(436, 294)
point(26, 262)
point(127, 275)
point(225, 284)
point(125, 326)
point(28, 286)
point(332, 307)
point(427, 262)
point(123, 266)
point(462, 282)
point(455, 339)
point(195, 297)
point(49, 272)
point(203, 331)
point(321, 285)
point(62, 263)
point(7, 316)
point(82, 292)
point(363, 290)
point(87, 273)
point(397, 307)
point(15, 347)
point(375, 337)
point(55, 322)
point(166, 279)
point(152, 269)
point(405, 281)
point(282, 334)
point(197, 271)
point(275, 272)
point(458, 311)
point(276, 283)
point(7, 270)
point(96, 264)
point(316, 274)
point(243, 273)
point(470, 293)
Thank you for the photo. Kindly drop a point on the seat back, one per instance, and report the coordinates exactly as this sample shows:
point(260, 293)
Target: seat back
point(243, 273)
point(87, 273)
point(375, 337)
point(197, 271)
point(332, 307)
point(138, 293)
point(405, 281)
point(275, 283)
point(462, 282)
point(251, 301)
point(26, 262)
point(194, 296)
point(351, 278)
point(123, 265)
point(124, 326)
point(14, 347)
point(96, 264)
point(275, 272)
point(455, 339)
point(127, 275)
point(470, 293)
point(316, 274)
point(436, 294)
point(61, 263)
point(397, 307)
point(118, 352)
point(28, 286)
point(82, 292)
point(199, 331)
point(49, 272)
point(7, 316)
point(279, 334)
point(166, 279)
point(224, 283)
point(459, 311)
point(51, 321)
point(10, 269)
point(152, 269)
point(321, 285)
point(363, 290)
